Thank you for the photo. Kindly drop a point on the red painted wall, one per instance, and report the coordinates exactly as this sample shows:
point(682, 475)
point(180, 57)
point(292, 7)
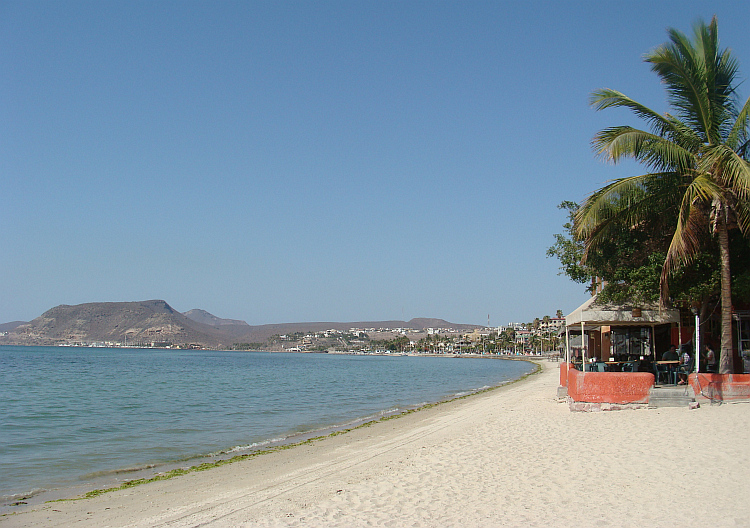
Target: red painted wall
point(627, 387)
point(687, 335)
point(723, 387)
point(609, 387)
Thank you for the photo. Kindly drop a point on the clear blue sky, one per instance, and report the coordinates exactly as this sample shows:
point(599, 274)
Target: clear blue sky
point(312, 161)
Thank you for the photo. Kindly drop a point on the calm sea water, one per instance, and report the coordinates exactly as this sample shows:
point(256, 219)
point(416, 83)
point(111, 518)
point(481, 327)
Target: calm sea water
point(71, 416)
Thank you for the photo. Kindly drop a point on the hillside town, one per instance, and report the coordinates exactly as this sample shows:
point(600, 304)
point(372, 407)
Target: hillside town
point(542, 336)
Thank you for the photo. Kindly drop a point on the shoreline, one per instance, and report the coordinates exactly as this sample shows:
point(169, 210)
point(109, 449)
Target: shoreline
point(129, 477)
point(513, 456)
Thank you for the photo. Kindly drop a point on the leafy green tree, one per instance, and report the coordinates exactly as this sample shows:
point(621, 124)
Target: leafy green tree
point(507, 338)
point(399, 343)
point(569, 250)
point(247, 346)
point(624, 263)
point(696, 158)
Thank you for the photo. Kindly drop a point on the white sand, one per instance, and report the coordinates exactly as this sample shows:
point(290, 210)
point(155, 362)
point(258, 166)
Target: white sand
point(511, 457)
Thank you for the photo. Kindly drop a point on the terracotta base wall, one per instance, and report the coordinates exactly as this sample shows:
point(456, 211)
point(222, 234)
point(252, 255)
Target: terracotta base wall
point(564, 374)
point(609, 387)
point(725, 387)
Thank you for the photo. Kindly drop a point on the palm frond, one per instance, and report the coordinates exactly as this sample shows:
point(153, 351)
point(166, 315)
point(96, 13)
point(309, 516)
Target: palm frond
point(699, 79)
point(601, 205)
point(682, 134)
point(729, 169)
point(656, 152)
point(608, 98)
point(742, 211)
point(624, 203)
point(677, 65)
point(738, 135)
point(690, 229)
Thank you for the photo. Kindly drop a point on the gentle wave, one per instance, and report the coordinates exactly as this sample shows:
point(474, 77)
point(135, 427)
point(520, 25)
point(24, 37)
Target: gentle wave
point(16, 497)
point(122, 471)
point(302, 435)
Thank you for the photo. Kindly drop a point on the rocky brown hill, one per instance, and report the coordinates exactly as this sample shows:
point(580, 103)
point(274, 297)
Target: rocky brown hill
point(142, 322)
point(202, 316)
point(233, 330)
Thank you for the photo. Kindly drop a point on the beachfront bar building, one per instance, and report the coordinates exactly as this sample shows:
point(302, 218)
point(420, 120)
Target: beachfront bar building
point(608, 332)
point(608, 346)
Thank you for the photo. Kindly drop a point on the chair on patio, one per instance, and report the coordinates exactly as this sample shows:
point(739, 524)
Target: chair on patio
point(630, 366)
point(684, 370)
point(662, 372)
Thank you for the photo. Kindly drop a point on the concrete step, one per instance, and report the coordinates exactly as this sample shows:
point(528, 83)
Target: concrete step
point(675, 396)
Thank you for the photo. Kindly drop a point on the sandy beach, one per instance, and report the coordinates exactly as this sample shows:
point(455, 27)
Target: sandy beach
point(515, 456)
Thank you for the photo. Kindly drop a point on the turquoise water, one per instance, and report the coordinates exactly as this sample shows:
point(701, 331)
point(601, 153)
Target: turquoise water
point(72, 415)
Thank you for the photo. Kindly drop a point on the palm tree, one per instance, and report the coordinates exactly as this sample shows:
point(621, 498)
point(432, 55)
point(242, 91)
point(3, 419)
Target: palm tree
point(697, 158)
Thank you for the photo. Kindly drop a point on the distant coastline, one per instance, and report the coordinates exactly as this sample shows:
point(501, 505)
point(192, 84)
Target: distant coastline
point(155, 324)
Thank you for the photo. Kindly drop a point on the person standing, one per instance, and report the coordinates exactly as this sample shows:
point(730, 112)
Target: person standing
point(710, 357)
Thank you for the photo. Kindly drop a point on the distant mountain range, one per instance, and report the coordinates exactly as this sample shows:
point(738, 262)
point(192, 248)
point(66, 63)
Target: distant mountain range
point(155, 321)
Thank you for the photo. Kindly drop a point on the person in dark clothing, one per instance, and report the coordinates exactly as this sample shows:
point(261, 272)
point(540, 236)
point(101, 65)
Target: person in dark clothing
point(670, 355)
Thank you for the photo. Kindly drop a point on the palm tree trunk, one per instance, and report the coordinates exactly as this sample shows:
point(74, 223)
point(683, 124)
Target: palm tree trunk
point(726, 361)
